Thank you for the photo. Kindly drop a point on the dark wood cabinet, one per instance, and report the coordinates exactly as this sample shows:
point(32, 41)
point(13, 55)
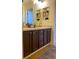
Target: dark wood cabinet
point(41, 38)
point(35, 39)
point(26, 46)
point(48, 35)
point(45, 37)
point(31, 40)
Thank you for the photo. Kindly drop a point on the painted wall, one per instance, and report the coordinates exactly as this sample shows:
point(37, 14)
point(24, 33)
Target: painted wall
point(23, 12)
point(50, 22)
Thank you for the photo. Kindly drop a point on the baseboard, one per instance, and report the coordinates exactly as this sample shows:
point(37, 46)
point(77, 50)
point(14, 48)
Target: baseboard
point(38, 52)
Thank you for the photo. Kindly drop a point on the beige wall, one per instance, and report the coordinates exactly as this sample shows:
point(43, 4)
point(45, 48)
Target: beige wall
point(50, 22)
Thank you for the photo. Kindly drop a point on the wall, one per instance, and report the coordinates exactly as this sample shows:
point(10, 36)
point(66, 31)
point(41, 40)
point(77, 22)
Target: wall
point(50, 22)
point(23, 12)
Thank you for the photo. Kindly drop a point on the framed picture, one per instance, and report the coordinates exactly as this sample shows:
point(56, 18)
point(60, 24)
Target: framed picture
point(38, 15)
point(46, 13)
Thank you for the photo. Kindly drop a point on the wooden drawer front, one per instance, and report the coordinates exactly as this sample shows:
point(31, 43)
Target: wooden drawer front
point(35, 40)
point(40, 38)
point(26, 46)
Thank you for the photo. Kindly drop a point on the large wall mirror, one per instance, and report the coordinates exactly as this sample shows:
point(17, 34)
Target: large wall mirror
point(29, 16)
point(28, 19)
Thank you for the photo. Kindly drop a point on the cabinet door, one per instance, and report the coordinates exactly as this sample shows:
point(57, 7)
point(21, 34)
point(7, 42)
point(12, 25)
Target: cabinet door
point(31, 39)
point(49, 35)
point(26, 46)
point(35, 40)
point(41, 38)
point(45, 36)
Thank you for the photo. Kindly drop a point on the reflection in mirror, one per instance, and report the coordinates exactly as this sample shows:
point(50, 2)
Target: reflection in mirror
point(29, 16)
point(28, 20)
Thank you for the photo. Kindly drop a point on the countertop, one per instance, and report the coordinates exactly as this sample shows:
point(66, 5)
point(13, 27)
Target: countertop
point(36, 28)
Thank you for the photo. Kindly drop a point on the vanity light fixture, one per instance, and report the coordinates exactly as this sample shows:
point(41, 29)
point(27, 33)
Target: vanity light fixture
point(41, 0)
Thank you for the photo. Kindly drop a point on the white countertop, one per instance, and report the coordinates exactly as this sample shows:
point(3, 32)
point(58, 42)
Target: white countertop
point(36, 28)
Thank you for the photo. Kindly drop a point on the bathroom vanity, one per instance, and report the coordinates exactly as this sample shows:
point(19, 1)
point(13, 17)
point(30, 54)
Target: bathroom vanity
point(35, 38)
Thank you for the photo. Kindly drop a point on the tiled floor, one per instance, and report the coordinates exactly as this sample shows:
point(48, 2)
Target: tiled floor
point(50, 54)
